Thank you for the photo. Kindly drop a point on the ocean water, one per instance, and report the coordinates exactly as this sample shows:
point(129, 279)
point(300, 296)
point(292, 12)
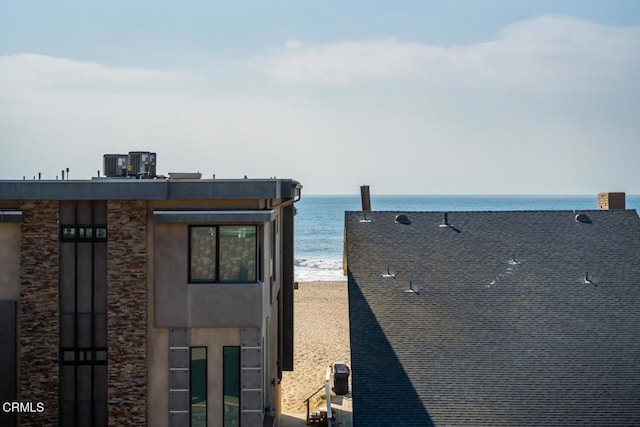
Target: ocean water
point(319, 222)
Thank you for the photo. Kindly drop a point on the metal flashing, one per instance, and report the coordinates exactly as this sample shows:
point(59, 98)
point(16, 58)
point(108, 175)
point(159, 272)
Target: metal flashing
point(10, 216)
point(148, 189)
point(235, 217)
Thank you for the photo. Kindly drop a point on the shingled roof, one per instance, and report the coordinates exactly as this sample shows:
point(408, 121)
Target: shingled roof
point(490, 319)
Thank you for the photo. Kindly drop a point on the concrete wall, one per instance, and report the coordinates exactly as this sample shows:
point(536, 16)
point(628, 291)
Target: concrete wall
point(180, 304)
point(157, 345)
point(215, 339)
point(248, 204)
point(158, 377)
point(287, 287)
point(214, 313)
point(171, 263)
point(270, 322)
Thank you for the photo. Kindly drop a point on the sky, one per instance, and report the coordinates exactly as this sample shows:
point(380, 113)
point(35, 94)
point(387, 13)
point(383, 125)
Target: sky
point(409, 97)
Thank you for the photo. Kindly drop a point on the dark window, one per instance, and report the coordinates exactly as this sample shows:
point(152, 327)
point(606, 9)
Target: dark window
point(101, 233)
point(83, 233)
point(68, 233)
point(223, 253)
point(231, 386)
point(83, 304)
point(83, 356)
point(198, 386)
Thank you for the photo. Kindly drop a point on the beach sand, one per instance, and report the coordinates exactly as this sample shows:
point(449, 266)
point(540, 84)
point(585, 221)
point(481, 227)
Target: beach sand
point(321, 337)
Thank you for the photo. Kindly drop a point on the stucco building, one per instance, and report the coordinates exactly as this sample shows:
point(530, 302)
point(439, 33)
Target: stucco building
point(146, 302)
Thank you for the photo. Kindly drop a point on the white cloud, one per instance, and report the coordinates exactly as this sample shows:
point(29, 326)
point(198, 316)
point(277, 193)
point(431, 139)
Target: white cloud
point(481, 118)
point(349, 62)
point(35, 72)
point(292, 44)
point(57, 113)
point(553, 52)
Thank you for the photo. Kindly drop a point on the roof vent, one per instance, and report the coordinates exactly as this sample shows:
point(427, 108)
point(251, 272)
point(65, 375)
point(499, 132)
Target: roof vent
point(588, 280)
point(584, 218)
point(365, 219)
point(402, 219)
point(445, 220)
point(446, 224)
point(411, 289)
point(388, 274)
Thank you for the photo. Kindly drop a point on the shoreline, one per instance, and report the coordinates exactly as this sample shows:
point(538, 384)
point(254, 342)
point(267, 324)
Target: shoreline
point(321, 337)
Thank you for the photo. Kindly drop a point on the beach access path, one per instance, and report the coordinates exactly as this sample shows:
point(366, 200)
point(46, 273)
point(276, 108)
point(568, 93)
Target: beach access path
point(321, 337)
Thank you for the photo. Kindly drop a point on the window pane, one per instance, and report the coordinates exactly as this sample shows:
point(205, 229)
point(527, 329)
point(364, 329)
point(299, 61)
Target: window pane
point(238, 253)
point(67, 393)
point(203, 254)
point(231, 386)
point(198, 386)
point(68, 232)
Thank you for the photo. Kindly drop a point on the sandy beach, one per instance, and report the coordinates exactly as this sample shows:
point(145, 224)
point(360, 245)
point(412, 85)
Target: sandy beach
point(321, 338)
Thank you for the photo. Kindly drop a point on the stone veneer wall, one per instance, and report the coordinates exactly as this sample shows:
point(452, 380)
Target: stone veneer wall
point(39, 310)
point(127, 321)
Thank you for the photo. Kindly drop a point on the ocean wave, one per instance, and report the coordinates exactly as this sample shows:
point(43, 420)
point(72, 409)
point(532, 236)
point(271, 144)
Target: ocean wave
point(312, 270)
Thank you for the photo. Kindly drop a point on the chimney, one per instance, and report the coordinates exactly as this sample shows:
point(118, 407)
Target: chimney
point(365, 197)
point(610, 201)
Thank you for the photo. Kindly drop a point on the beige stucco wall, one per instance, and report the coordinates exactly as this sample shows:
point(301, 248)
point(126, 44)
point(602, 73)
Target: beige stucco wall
point(180, 304)
point(157, 346)
point(10, 261)
point(215, 339)
point(171, 261)
point(158, 377)
point(167, 283)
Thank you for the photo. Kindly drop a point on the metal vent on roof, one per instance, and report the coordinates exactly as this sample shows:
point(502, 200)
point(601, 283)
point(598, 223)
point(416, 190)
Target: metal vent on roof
point(412, 289)
point(402, 219)
point(584, 218)
point(446, 224)
point(445, 221)
point(588, 280)
point(388, 273)
point(365, 219)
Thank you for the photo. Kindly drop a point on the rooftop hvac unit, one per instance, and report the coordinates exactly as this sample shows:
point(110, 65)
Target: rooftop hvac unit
point(142, 163)
point(115, 164)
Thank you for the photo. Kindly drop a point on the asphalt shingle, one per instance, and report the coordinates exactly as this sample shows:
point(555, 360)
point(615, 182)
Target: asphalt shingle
point(498, 326)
